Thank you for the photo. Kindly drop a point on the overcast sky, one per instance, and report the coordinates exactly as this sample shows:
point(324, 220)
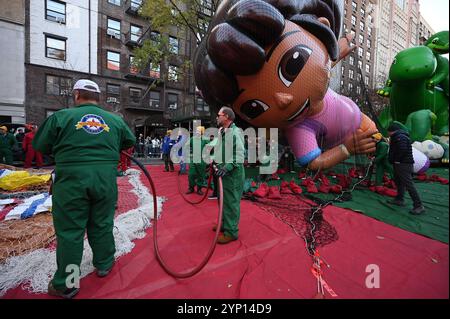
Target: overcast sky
point(435, 13)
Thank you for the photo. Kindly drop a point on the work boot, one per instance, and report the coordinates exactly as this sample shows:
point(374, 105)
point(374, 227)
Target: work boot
point(396, 202)
point(104, 273)
point(190, 190)
point(225, 239)
point(215, 228)
point(417, 210)
point(69, 293)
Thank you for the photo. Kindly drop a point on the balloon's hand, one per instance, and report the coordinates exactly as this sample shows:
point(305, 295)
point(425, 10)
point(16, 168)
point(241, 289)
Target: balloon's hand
point(361, 142)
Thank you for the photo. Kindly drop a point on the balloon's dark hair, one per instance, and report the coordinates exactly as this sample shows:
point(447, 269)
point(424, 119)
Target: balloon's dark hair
point(241, 29)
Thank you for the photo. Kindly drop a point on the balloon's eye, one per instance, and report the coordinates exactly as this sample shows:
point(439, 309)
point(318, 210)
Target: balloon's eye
point(253, 108)
point(292, 63)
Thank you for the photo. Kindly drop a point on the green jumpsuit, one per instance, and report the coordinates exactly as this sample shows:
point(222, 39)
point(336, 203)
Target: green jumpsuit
point(7, 142)
point(197, 171)
point(382, 163)
point(233, 181)
point(86, 142)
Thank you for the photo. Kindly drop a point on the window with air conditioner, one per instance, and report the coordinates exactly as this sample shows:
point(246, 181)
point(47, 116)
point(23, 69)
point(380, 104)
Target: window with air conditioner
point(113, 89)
point(154, 99)
point(113, 29)
point(172, 101)
point(113, 93)
point(113, 60)
point(55, 11)
point(55, 47)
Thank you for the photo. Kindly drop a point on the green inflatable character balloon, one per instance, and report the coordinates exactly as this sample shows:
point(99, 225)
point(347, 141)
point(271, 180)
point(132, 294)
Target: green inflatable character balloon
point(418, 80)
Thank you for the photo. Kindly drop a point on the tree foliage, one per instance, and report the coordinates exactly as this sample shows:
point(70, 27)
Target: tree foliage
point(167, 17)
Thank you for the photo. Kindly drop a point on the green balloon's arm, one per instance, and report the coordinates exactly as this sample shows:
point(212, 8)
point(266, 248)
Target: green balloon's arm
point(441, 71)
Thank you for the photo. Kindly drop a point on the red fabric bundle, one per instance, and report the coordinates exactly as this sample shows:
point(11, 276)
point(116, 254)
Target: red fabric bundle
point(285, 188)
point(353, 173)
point(390, 184)
point(281, 171)
point(343, 180)
point(336, 189)
point(324, 188)
point(311, 188)
point(274, 193)
point(325, 180)
point(422, 177)
point(262, 191)
point(436, 178)
point(301, 175)
point(295, 188)
point(390, 192)
point(307, 181)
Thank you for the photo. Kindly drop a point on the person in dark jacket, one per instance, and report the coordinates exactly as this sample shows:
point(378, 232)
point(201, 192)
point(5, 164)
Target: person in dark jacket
point(167, 145)
point(400, 155)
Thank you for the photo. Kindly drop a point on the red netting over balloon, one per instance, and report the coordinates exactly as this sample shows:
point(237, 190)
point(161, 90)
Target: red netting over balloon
point(302, 217)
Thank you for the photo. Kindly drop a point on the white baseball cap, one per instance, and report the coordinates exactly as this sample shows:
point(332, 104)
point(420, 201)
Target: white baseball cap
point(87, 85)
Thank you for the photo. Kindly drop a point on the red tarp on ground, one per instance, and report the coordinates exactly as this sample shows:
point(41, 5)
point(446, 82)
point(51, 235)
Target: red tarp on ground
point(268, 260)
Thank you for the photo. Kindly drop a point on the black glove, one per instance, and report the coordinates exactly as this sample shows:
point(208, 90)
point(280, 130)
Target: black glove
point(220, 172)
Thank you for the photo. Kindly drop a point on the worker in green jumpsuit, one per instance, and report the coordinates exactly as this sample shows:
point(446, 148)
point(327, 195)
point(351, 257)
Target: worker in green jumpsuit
point(381, 162)
point(86, 142)
point(7, 143)
point(230, 167)
point(197, 166)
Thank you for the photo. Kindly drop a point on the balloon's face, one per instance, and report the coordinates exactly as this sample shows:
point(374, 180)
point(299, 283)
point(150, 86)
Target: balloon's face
point(290, 86)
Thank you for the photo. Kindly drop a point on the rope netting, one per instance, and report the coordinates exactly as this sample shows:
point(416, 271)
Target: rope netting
point(296, 213)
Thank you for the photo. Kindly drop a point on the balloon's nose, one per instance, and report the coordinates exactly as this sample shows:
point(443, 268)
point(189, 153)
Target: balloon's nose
point(283, 99)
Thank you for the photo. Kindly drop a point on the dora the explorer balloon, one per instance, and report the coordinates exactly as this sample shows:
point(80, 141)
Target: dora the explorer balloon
point(270, 60)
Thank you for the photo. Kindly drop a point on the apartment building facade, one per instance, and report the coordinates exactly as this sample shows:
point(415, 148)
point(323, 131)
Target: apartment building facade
point(425, 31)
point(69, 40)
point(61, 47)
point(398, 28)
point(12, 75)
point(358, 67)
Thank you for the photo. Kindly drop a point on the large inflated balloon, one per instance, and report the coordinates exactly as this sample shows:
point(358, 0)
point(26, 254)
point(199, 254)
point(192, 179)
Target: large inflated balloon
point(271, 61)
point(421, 161)
point(418, 79)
